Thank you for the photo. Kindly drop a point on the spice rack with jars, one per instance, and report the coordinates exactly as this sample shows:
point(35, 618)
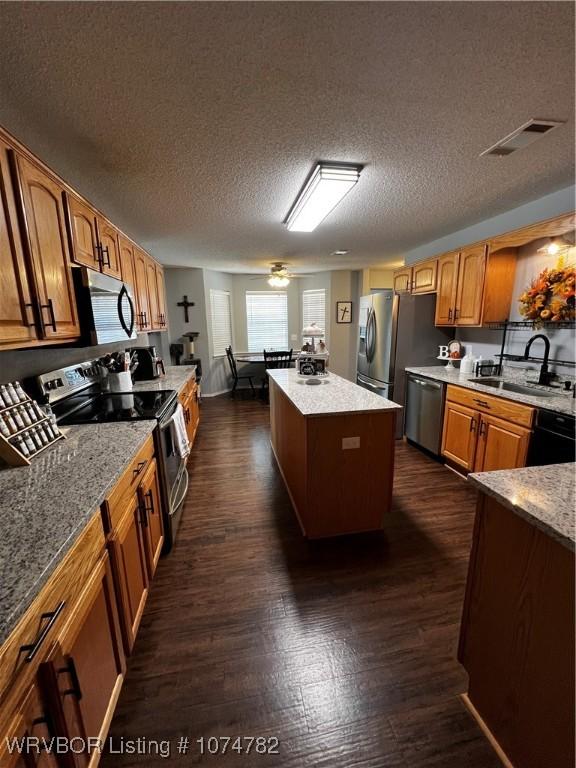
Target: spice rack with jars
point(25, 430)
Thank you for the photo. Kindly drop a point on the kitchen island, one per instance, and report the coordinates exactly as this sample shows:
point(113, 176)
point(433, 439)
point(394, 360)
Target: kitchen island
point(517, 634)
point(334, 444)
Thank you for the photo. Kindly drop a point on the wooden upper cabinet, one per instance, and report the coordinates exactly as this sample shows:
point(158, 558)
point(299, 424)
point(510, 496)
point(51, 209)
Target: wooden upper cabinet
point(109, 248)
point(127, 271)
point(161, 294)
point(424, 276)
point(501, 445)
point(144, 319)
point(471, 270)
point(402, 280)
point(153, 528)
point(447, 283)
point(459, 434)
point(17, 326)
point(47, 242)
point(83, 234)
point(152, 293)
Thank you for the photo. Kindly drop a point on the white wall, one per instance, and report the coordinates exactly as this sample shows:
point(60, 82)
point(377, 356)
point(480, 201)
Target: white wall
point(345, 285)
point(544, 208)
point(217, 375)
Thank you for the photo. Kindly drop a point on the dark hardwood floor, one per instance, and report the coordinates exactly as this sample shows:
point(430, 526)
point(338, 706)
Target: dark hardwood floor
point(344, 649)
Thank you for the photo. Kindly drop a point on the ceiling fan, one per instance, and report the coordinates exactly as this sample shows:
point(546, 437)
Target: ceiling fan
point(279, 276)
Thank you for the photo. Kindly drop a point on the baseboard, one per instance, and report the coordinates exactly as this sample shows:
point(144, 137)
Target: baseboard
point(215, 394)
point(486, 731)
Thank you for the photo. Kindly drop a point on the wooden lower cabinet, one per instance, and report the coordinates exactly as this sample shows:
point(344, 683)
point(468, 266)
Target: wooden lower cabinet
point(501, 445)
point(128, 553)
point(459, 435)
point(517, 639)
point(153, 527)
point(32, 721)
point(190, 401)
point(482, 433)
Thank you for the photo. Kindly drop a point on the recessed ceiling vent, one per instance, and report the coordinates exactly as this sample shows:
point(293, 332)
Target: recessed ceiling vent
point(520, 138)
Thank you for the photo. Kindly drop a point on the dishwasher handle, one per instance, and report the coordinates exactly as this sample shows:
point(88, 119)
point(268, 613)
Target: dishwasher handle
point(426, 383)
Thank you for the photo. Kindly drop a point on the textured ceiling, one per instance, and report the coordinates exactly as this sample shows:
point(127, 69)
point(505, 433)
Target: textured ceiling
point(193, 125)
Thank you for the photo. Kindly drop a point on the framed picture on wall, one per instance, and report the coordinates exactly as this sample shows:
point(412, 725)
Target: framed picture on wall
point(343, 311)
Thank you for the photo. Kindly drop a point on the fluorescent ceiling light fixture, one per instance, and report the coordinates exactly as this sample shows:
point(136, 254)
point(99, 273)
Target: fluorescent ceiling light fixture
point(277, 281)
point(326, 186)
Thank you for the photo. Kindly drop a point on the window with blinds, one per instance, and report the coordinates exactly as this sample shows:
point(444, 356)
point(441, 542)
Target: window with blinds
point(267, 320)
point(314, 308)
point(221, 320)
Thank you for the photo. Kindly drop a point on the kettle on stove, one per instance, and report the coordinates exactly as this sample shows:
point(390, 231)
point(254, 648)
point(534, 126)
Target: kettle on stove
point(150, 366)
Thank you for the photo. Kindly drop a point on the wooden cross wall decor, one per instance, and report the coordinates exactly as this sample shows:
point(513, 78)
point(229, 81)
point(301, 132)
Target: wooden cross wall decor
point(185, 303)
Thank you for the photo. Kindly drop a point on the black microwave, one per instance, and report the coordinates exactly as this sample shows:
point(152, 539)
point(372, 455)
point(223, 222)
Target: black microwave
point(106, 307)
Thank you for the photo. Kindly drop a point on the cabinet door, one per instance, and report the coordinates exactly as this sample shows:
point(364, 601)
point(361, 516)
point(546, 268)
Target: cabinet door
point(85, 669)
point(153, 527)
point(161, 295)
point(33, 721)
point(471, 271)
point(109, 248)
point(127, 272)
point(17, 326)
point(459, 434)
point(129, 562)
point(83, 235)
point(447, 282)
point(424, 277)
point(143, 300)
point(501, 445)
point(153, 293)
point(43, 208)
point(402, 280)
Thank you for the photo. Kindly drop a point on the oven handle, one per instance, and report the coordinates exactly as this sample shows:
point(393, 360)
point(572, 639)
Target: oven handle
point(175, 505)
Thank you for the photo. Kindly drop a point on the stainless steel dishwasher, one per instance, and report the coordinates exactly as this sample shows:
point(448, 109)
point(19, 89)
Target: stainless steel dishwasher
point(424, 412)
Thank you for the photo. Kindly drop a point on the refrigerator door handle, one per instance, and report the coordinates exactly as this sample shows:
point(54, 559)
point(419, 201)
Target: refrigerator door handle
point(370, 336)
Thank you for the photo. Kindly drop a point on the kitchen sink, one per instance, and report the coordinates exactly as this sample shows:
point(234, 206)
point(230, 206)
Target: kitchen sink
point(509, 386)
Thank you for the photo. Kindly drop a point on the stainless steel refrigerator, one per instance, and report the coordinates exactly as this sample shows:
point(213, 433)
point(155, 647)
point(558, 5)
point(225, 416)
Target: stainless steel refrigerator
point(396, 331)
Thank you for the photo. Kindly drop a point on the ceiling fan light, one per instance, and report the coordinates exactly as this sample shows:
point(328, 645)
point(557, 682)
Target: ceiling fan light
point(278, 281)
point(325, 188)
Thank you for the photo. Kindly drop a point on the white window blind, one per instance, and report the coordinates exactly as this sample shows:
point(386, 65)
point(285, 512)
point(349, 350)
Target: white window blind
point(221, 318)
point(267, 320)
point(314, 308)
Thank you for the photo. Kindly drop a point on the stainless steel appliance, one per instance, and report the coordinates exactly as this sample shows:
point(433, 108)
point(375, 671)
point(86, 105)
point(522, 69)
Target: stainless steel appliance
point(553, 440)
point(106, 307)
point(150, 366)
point(424, 412)
point(396, 331)
point(75, 398)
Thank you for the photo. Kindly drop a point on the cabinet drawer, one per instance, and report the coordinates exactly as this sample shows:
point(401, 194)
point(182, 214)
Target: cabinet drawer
point(127, 485)
point(55, 601)
point(496, 406)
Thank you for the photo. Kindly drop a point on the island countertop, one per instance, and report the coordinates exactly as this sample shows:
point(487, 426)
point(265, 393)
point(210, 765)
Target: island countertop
point(333, 396)
point(544, 496)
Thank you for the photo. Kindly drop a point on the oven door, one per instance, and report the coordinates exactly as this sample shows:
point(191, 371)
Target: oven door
point(174, 479)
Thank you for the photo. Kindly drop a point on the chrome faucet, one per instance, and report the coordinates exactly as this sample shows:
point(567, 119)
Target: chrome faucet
point(545, 376)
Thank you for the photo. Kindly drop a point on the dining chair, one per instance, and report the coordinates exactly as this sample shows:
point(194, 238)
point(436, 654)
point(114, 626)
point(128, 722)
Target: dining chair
point(276, 359)
point(234, 371)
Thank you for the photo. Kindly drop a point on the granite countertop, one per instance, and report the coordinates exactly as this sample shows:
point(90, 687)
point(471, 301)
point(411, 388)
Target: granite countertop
point(46, 506)
point(175, 378)
point(561, 402)
point(334, 395)
point(543, 496)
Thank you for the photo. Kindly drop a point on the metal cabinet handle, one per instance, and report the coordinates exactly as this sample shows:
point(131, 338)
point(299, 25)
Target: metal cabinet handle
point(150, 496)
point(483, 403)
point(27, 307)
point(70, 668)
point(482, 431)
point(33, 648)
point(138, 468)
point(472, 424)
point(50, 307)
point(456, 313)
point(450, 313)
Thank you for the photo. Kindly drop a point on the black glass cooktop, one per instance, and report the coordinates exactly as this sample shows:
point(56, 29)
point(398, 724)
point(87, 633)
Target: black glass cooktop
point(117, 406)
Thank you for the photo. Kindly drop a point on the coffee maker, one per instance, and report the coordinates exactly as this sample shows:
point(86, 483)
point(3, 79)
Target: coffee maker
point(150, 366)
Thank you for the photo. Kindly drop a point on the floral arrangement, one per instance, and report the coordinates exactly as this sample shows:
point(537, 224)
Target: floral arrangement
point(550, 297)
